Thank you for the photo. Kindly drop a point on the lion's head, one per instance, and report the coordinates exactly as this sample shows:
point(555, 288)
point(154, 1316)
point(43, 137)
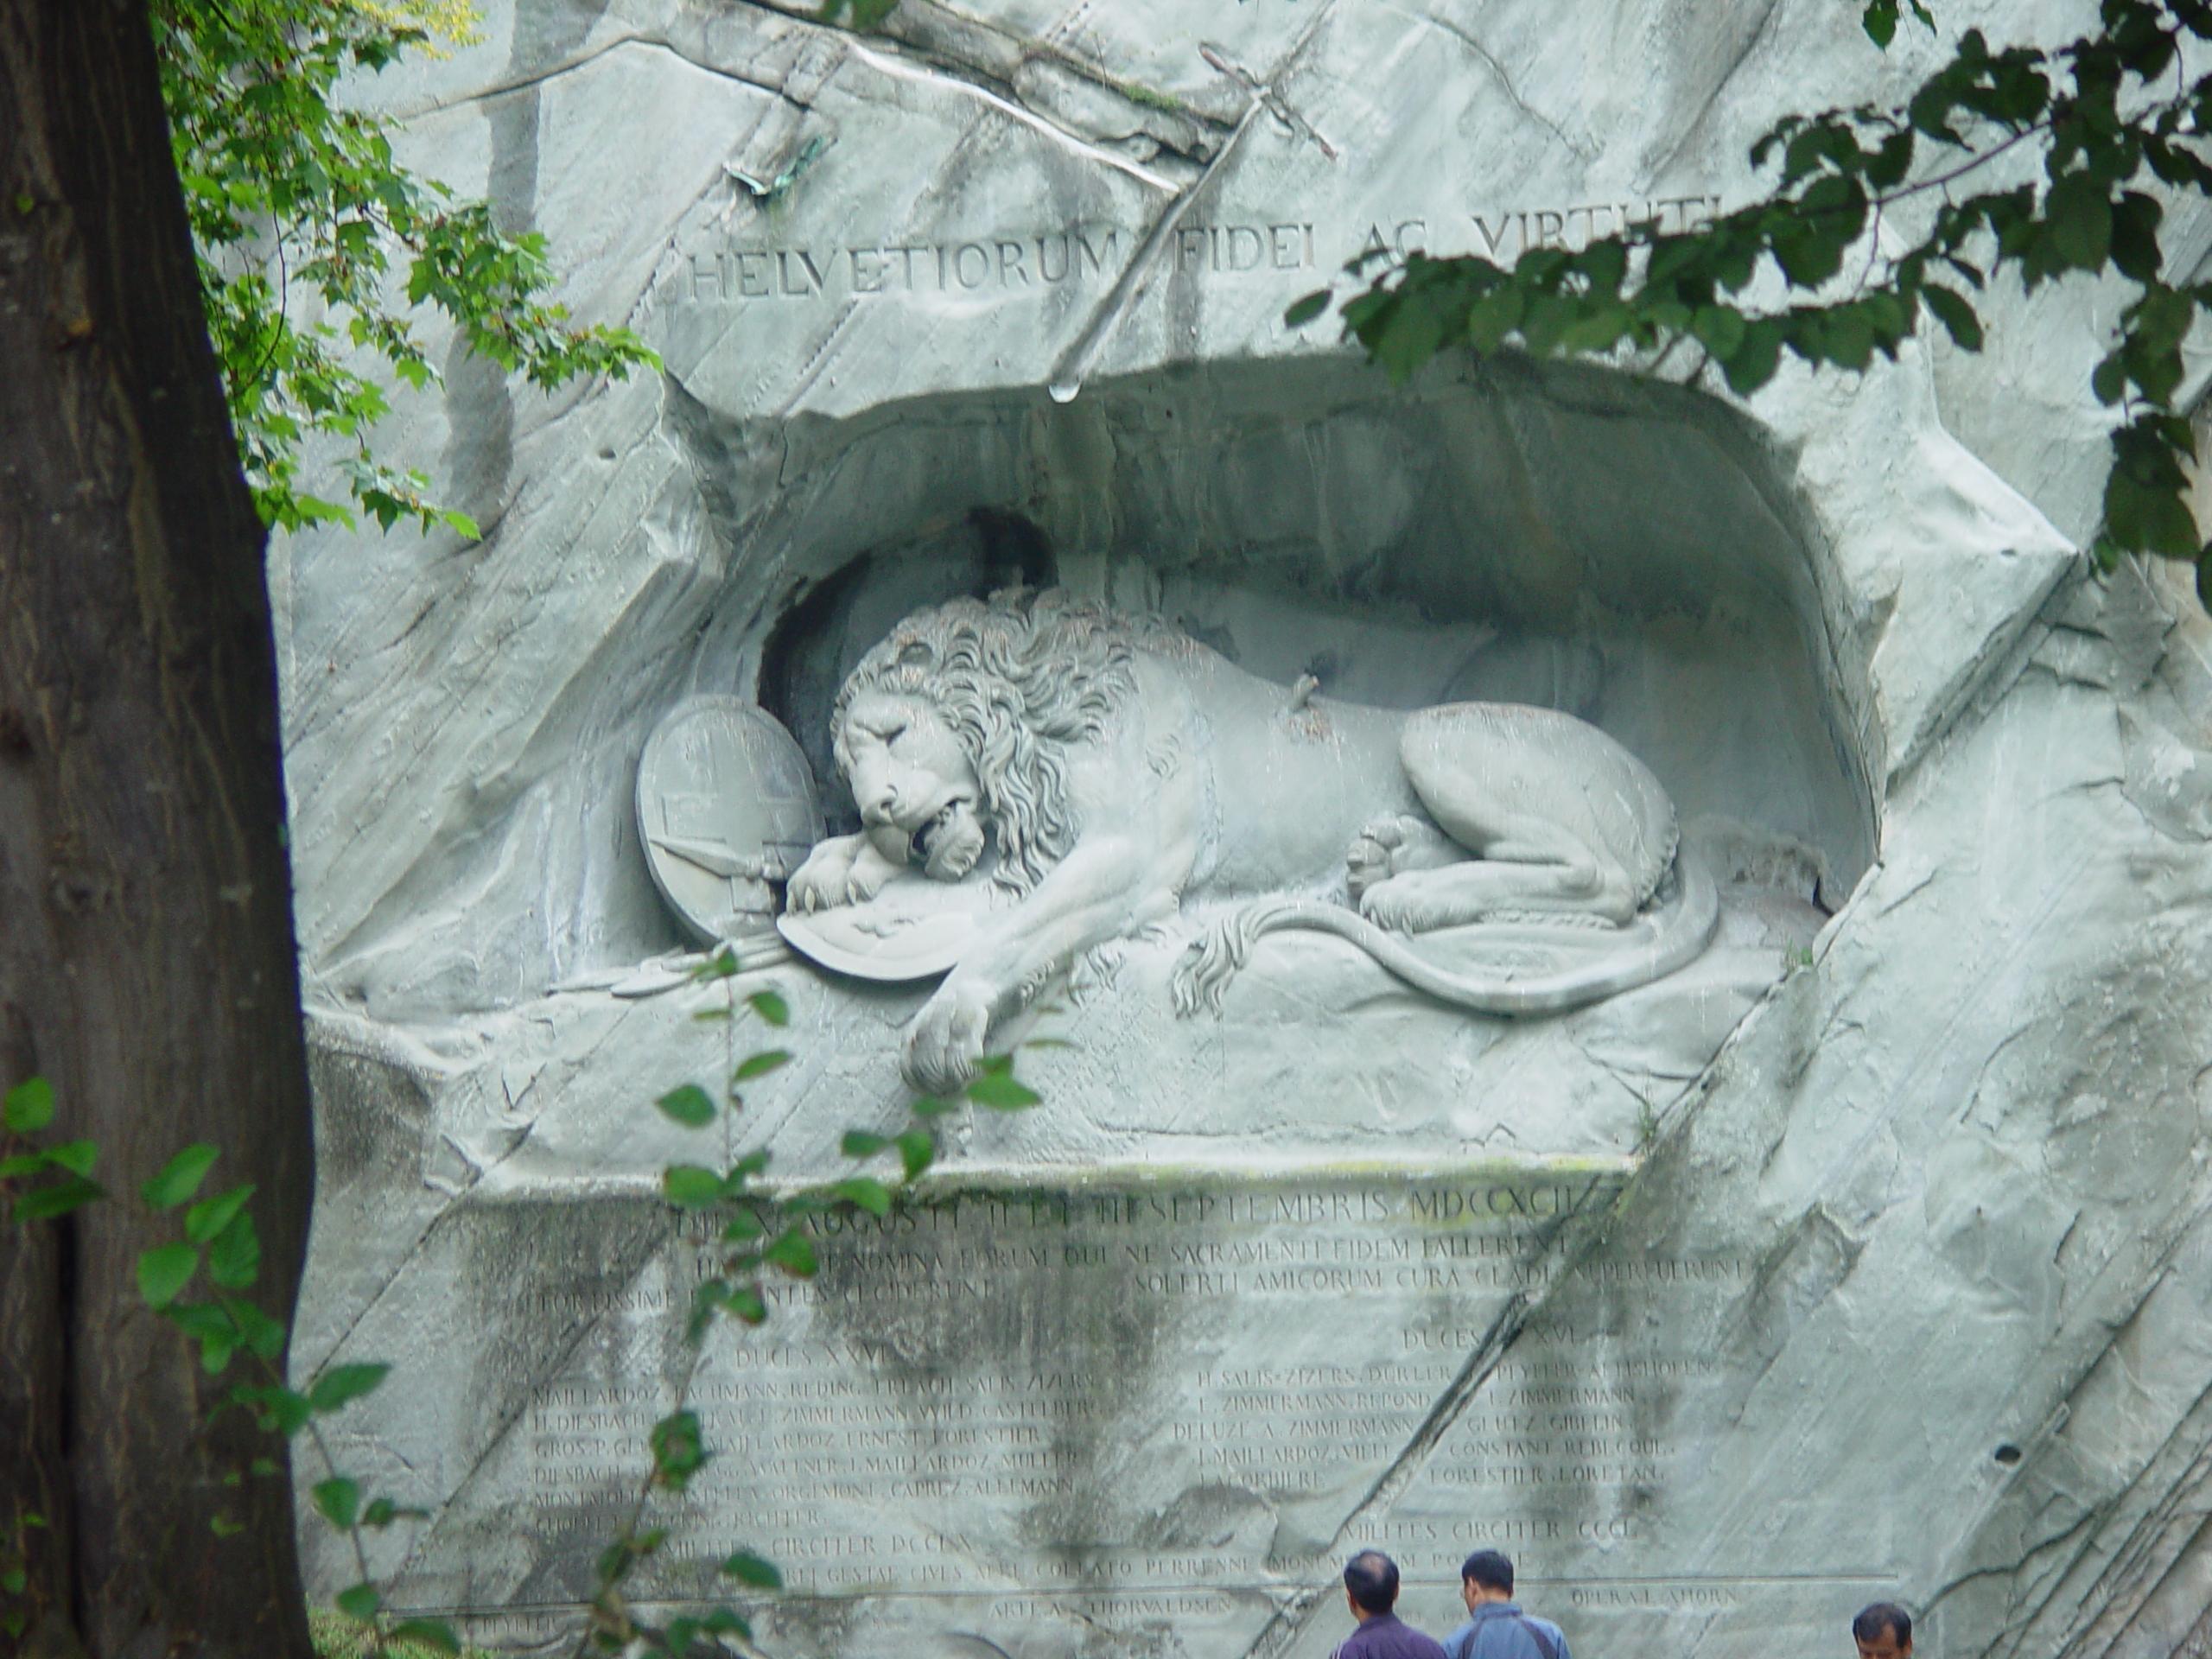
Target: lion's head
point(1016, 679)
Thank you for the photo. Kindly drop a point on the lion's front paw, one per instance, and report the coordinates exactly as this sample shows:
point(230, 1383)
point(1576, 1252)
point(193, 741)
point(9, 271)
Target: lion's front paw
point(944, 1046)
point(819, 883)
point(866, 875)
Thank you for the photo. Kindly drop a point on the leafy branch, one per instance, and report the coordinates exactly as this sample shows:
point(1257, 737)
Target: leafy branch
point(758, 1231)
point(220, 1252)
point(305, 221)
point(2114, 134)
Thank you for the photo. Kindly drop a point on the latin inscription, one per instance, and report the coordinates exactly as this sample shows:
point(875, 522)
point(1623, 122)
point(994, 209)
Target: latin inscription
point(823, 1419)
point(1015, 261)
point(999, 1394)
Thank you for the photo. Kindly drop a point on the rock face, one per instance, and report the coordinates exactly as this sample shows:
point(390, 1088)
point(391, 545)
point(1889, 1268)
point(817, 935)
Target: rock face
point(1864, 1257)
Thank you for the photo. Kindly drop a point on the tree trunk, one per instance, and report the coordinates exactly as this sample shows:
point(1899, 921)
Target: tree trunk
point(146, 953)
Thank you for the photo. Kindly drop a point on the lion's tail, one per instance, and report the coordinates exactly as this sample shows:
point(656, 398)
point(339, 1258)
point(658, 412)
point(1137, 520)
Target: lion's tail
point(1679, 932)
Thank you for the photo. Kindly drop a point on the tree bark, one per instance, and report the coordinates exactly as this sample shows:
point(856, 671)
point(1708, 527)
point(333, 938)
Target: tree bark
point(146, 944)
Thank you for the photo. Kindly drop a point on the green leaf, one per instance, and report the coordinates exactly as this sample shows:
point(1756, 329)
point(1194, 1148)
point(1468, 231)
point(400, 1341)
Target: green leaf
point(999, 1091)
point(23, 1163)
point(678, 1452)
point(360, 1602)
point(2145, 505)
point(2079, 209)
point(1957, 315)
point(689, 1105)
point(340, 1500)
point(744, 1227)
point(792, 1253)
point(1880, 22)
point(858, 1143)
point(870, 1195)
point(726, 1621)
point(690, 1187)
point(680, 1635)
point(180, 1178)
point(164, 1272)
point(1305, 310)
point(342, 1384)
point(45, 1203)
point(756, 1571)
point(205, 1219)
point(280, 1410)
point(742, 1302)
point(770, 1006)
point(917, 1152)
point(29, 1107)
point(1409, 336)
point(2135, 248)
point(209, 1325)
point(760, 1065)
point(234, 1259)
point(1720, 329)
point(430, 1632)
point(1753, 363)
point(264, 1335)
point(78, 1157)
point(1850, 337)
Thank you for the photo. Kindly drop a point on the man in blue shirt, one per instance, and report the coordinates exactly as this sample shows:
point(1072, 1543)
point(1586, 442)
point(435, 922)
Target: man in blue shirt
point(1371, 1588)
point(1496, 1627)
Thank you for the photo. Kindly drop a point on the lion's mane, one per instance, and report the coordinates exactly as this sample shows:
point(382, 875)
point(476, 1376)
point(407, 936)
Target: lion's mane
point(1018, 678)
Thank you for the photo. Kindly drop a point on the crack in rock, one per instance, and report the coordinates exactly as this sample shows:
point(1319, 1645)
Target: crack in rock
point(1569, 1242)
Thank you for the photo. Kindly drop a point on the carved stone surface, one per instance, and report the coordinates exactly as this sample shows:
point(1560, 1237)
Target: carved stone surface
point(1887, 1272)
point(1113, 769)
point(726, 810)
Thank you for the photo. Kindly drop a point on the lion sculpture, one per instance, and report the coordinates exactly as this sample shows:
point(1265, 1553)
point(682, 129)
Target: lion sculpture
point(1108, 767)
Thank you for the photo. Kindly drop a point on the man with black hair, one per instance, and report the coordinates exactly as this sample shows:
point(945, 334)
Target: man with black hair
point(1371, 1588)
point(1882, 1632)
point(1496, 1626)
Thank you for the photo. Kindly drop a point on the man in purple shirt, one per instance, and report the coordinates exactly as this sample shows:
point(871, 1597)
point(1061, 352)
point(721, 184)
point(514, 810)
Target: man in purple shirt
point(1371, 1588)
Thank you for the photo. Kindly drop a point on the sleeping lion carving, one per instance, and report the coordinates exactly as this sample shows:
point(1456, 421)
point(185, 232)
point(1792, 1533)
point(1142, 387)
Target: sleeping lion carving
point(1108, 768)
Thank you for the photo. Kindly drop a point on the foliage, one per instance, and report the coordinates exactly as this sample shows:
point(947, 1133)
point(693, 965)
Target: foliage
point(306, 224)
point(758, 1230)
point(2113, 116)
point(867, 14)
point(337, 1636)
point(198, 1283)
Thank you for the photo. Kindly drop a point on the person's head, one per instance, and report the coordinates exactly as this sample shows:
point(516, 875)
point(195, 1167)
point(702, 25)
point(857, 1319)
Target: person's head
point(1486, 1575)
point(1371, 1582)
point(1882, 1632)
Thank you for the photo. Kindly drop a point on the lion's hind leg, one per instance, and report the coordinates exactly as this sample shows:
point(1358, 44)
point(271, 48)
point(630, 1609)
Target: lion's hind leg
point(1514, 880)
point(1499, 780)
point(1391, 846)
